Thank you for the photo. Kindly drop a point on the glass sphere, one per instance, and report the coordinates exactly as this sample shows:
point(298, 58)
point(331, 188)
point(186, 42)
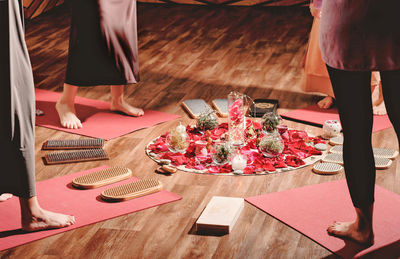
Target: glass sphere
point(271, 145)
point(220, 153)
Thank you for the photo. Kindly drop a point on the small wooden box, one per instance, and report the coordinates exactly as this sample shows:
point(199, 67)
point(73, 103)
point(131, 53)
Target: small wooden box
point(220, 215)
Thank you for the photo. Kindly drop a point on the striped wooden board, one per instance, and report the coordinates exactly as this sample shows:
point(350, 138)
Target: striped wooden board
point(34, 8)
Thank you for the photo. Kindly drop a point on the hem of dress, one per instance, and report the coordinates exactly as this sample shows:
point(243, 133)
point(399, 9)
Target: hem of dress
point(90, 84)
point(340, 66)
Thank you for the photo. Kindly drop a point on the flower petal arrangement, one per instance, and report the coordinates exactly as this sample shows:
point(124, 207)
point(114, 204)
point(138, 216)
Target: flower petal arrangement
point(298, 151)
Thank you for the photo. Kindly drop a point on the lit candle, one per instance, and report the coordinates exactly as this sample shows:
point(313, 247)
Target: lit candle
point(239, 162)
point(180, 128)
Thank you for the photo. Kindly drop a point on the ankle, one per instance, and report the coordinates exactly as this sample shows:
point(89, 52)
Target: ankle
point(30, 208)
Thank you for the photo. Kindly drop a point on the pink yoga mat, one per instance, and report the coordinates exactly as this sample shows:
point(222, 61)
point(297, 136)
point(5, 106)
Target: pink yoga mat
point(98, 121)
point(311, 209)
point(58, 195)
point(317, 116)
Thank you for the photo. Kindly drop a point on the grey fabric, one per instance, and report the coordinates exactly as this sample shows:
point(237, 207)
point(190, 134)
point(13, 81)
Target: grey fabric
point(17, 104)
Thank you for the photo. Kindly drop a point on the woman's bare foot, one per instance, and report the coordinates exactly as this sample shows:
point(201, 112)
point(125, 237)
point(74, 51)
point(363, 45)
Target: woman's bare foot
point(350, 230)
point(325, 103)
point(5, 196)
point(359, 230)
point(118, 102)
point(65, 107)
point(47, 220)
point(67, 114)
point(123, 106)
point(34, 218)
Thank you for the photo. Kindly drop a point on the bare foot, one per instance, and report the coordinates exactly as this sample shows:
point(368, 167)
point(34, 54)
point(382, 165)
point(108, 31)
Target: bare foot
point(351, 231)
point(325, 103)
point(123, 106)
point(67, 114)
point(5, 196)
point(43, 219)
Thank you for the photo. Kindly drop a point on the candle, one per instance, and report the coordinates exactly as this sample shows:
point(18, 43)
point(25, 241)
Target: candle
point(239, 162)
point(201, 148)
point(180, 128)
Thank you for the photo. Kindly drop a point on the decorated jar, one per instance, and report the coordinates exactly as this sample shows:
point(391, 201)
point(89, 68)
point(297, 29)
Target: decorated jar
point(221, 153)
point(271, 145)
point(270, 121)
point(178, 139)
point(330, 129)
point(207, 121)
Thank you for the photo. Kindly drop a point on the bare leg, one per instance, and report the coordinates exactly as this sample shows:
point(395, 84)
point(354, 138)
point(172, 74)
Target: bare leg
point(377, 100)
point(65, 107)
point(325, 103)
point(5, 196)
point(359, 230)
point(119, 104)
point(34, 218)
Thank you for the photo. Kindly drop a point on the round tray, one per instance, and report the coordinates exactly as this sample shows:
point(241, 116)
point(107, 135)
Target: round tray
point(308, 161)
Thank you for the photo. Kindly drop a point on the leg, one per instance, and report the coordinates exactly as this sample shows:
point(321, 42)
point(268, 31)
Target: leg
point(353, 99)
point(378, 105)
point(391, 94)
point(119, 104)
point(17, 119)
point(65, 107)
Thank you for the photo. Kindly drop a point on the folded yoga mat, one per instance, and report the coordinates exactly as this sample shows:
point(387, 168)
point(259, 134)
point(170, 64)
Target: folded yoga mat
point(58, 195)
point(311, 209)
point(316, 116)
point(98, 121)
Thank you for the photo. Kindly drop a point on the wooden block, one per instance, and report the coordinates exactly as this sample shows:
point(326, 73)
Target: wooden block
point(102, 177)
point(75, 156)
point(59, 144)
point(221, 106)
point(195, 107)
point(132, 190)
point(220, 215)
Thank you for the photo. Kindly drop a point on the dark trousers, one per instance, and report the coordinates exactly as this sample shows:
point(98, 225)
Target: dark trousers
point(353, 98)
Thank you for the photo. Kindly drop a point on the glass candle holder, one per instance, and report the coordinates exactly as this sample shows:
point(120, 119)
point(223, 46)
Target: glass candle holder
point(282, 128)
point(238, 162)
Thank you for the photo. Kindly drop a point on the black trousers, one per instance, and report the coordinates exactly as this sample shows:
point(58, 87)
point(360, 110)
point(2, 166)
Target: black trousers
point(353, 98)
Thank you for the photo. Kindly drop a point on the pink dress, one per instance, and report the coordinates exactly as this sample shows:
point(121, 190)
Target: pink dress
point(316, 77)
point(362, 35)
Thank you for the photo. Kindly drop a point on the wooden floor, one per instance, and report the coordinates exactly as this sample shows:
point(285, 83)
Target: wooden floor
point(190, 52)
